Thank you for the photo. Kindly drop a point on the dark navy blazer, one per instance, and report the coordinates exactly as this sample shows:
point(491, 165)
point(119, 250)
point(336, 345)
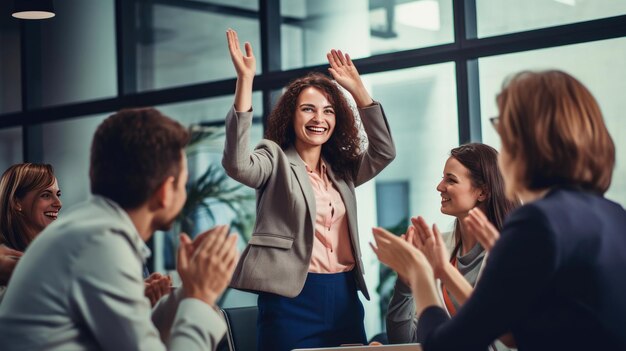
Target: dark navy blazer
point(556, 279)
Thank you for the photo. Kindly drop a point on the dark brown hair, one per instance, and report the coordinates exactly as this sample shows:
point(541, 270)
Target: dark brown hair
point(482, 163)
point(342, 150)
point(17, 181)
point(553, 129)
point(133, 152)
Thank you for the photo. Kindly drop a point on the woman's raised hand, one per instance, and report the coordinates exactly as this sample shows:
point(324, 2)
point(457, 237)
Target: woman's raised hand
point(346, 74)
point(478, 226)
point(429, 242)
point(245, 65)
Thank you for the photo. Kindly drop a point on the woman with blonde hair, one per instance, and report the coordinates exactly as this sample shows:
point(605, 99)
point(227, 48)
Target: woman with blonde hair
point(555, 278)
point(29, 202)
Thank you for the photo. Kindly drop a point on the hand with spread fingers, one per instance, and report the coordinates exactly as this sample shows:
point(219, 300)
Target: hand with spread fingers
point(157, 285)
point(245, 65)
point(206, 272)
point(399, 255)
point(478, 226)
point(345, 73)
point(409, 262)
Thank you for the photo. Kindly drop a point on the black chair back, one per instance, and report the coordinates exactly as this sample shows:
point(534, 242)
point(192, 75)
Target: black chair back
point(241, 333)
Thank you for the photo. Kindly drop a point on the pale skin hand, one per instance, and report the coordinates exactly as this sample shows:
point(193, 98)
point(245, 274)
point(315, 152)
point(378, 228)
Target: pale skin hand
point(245, 66)
point(156, 286)
point(345, 73)
point(8, 261)
point(431, 244)
point(206, 272)
point(410, 263)
point(478, 225)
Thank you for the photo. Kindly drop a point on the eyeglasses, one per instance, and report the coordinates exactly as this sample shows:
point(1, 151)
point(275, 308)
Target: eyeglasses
point(495, 122)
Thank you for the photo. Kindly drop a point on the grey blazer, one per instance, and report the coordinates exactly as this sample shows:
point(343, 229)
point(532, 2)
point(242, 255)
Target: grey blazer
point(277, 257)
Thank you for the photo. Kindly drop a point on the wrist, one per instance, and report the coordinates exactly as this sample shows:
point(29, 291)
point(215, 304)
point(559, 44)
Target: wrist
point(209, 299)
point(445, 272)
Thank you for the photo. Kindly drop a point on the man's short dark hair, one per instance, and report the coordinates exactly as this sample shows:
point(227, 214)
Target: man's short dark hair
point(133, 152)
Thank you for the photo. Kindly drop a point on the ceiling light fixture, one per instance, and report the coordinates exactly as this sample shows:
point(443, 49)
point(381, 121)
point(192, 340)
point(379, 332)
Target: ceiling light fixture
point(33, 9)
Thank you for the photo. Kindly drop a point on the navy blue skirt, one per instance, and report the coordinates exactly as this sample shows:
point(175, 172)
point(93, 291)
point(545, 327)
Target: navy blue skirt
point(327, 313)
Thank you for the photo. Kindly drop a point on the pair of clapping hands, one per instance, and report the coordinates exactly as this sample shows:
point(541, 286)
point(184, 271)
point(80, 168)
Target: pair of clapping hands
point(421, 249)
point(205, 266)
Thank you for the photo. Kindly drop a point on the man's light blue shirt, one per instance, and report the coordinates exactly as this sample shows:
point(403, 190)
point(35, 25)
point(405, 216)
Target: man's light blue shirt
point(79, 286)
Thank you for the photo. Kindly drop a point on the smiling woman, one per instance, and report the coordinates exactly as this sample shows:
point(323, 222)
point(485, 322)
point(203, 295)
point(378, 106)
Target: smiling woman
point(304, 256)
point(29, 202)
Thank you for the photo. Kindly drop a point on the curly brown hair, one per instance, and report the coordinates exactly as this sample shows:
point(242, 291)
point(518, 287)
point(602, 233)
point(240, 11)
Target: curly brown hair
point(342, 150)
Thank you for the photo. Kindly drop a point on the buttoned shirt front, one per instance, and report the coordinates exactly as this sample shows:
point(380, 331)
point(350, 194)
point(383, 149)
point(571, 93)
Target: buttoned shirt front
point(332, 252)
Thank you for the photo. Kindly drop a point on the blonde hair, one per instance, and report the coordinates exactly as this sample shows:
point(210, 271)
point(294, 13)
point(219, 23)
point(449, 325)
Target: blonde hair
point(17, 181)
point(553, 129)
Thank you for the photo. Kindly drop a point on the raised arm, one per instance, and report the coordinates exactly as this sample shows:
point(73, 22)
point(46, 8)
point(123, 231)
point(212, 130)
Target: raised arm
point(346, 74)
point(245, 65)
point(381, 149)
point(251, 169)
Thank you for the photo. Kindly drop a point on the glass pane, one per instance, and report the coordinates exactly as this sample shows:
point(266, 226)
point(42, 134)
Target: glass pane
point(598, 65)
point(10, 147)
point(67, 144)
point(496, 17)
point(77, 58)
point(178, 44)
point(420, 104)
point(10, 65)
point(362, 28)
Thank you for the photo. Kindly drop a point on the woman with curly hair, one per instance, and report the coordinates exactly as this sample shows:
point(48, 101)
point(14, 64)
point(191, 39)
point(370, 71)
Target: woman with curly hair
point(303, 258)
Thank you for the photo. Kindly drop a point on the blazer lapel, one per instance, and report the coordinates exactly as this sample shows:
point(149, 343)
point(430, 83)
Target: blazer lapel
point(297, 165)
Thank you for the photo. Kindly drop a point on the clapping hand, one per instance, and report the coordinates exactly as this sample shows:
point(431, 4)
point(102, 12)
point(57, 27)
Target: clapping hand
point(400, 256)
point(429, 242)
point(478, 226)
point(206, 265)
point(156, 286)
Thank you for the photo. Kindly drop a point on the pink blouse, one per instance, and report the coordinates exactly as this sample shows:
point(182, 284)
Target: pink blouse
point(332, 250)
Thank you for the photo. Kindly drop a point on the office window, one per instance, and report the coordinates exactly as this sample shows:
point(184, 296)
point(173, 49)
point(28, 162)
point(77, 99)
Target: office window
point(310, 28)
point(77, 54)
point(496, 17)
point(10, 65)
point(66, 148)
point(420, 104)
point(10, 147)
point(184, 42)
point(598, 65)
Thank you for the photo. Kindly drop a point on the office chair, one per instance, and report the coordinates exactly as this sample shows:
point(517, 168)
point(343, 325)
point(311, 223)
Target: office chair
point(241, 332)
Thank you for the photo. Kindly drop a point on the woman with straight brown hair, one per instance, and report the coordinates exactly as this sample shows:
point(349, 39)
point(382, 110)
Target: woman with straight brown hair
point(471, 180)
point(555, 278)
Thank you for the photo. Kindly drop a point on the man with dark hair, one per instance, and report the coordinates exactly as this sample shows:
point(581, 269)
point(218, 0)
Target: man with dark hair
point(80, 286)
